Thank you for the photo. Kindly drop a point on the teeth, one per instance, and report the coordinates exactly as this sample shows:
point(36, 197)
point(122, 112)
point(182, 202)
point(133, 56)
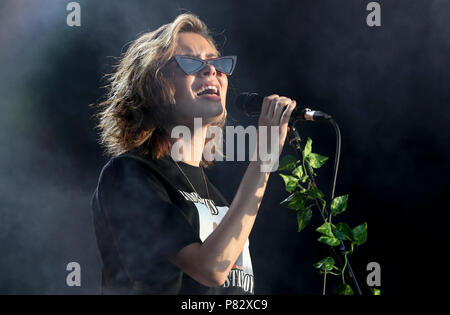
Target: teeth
point(209, 87)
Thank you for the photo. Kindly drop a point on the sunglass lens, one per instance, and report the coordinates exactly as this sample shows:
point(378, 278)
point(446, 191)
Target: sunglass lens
point(189, 65)
point(224, 65)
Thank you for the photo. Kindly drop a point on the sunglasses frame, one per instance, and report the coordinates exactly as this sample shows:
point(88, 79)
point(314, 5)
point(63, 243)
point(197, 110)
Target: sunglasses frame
point(204, 63)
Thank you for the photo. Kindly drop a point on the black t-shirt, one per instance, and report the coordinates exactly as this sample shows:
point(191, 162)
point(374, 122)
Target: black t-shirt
point(145, 211)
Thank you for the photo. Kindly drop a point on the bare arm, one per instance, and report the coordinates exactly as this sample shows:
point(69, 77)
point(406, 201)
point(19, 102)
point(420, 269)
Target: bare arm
point(210, 263)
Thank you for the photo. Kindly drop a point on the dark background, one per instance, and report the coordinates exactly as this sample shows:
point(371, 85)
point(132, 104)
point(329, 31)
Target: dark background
point(387, 87)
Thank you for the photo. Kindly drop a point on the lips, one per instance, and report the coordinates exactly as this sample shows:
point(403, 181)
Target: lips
point(209, 83)
point(211, 97)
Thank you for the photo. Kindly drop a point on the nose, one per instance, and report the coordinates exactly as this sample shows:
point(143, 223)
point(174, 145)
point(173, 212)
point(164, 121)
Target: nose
point(208, 70)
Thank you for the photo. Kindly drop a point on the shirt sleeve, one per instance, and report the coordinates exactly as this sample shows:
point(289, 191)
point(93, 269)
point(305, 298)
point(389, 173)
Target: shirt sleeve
point(146, 227)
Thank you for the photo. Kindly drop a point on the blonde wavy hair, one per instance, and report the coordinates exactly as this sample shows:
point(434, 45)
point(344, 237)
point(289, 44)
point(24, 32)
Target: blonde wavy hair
point(140, 97)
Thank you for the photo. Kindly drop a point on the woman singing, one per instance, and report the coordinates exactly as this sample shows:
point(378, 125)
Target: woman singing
point(161, 226)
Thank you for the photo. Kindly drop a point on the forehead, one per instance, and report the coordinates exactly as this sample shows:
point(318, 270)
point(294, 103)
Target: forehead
point(195, 45)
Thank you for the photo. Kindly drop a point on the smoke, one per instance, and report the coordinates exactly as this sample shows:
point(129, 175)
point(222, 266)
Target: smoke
point(50, 159)
point(387, 88)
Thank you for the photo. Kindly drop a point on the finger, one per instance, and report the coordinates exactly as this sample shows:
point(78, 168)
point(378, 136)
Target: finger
point(287, 113)
point(266, 104)
point(272, 107)
point(280, 107)
point(284, 127)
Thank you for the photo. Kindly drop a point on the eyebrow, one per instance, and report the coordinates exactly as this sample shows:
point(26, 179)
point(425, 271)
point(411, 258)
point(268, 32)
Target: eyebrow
point(198, 56)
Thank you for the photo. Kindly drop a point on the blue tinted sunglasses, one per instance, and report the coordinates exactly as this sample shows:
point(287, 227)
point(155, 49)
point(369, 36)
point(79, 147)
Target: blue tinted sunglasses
point(191, 65)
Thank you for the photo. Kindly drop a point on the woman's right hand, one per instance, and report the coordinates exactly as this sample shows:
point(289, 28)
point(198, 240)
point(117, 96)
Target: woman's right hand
point(275, 112)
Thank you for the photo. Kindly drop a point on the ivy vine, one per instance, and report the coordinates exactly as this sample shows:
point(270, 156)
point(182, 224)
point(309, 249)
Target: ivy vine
point(305, 195)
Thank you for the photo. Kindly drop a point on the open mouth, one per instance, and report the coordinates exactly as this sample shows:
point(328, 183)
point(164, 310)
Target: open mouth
point(208, 90)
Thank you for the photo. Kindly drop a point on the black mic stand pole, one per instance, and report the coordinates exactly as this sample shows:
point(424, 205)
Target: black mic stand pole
point(294, 141)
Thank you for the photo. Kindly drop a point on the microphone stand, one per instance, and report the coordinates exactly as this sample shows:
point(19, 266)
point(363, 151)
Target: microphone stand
point(294, 141)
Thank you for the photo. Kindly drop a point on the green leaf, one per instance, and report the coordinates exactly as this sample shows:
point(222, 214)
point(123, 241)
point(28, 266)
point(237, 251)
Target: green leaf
point(339, 204)
point(298, 171)
point(287, 163)
point(343, 289)
point(326, 229)
point(303, 218)
point(359, 234)
point(314, 193)
point(297, 202)
point(316, 160)
point(343, 232)
point(376, 291)
point(326, 264)
point(332, 241)
point(307, 149)
point(290, 182)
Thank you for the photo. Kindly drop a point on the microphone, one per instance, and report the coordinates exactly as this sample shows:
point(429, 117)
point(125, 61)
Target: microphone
point(250, 105)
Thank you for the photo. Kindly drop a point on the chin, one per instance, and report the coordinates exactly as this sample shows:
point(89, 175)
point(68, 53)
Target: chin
point(211, 111)
point(216, 119)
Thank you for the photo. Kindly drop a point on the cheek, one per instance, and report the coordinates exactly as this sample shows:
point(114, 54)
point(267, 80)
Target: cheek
point(183, 89)
point(225, 82)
